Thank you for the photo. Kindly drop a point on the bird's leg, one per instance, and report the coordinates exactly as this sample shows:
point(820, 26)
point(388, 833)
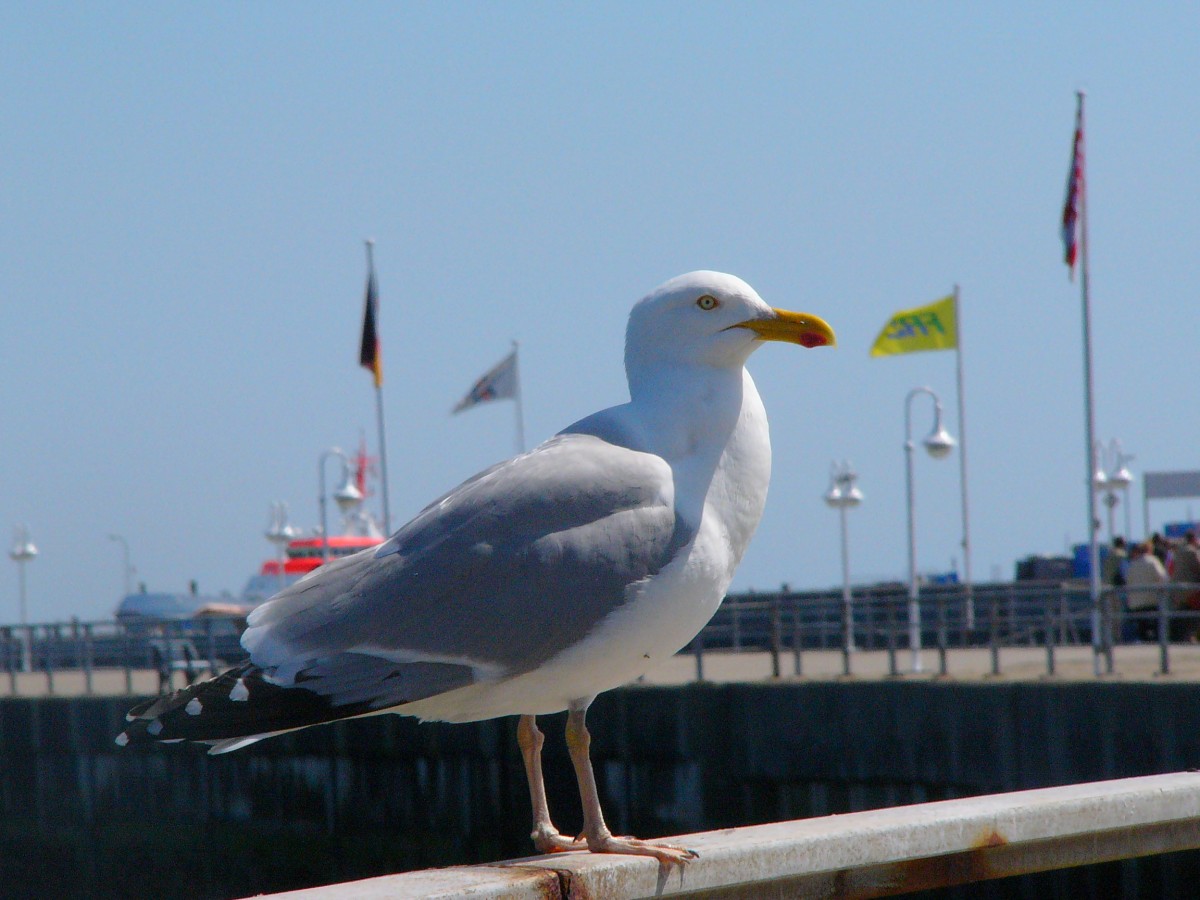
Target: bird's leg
point(546, 837)
point(595, 832)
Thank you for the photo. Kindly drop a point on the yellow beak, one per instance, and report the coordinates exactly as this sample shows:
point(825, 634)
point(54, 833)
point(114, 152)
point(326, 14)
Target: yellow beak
point(796, 328)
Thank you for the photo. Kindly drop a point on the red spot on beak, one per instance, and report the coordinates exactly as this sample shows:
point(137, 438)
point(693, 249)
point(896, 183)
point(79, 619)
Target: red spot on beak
point(813, 339)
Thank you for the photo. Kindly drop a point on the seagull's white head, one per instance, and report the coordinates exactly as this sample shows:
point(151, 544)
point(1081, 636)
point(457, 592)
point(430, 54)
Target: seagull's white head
point(710, 319)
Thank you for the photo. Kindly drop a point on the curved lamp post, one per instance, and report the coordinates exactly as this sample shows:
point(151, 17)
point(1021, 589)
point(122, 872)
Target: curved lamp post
point(22, 552)
point(281, 533)
point(1113, 475)
point(347, 496)
point(843, 494)
point(938, 443)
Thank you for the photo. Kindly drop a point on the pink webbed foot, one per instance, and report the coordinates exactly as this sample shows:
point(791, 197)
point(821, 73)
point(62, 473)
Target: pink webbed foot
point(667, 853)
point(550, 840)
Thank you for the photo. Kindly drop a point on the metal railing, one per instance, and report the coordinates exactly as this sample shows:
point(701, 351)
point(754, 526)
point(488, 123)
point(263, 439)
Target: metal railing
point(164, 646)
point(991, 616)
point(877, 853)
point(784, 624)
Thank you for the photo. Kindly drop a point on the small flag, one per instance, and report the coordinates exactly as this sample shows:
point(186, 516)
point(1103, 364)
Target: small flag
point(368, 354)
point(932, 327)
point(498, 383)
point(1070, 214)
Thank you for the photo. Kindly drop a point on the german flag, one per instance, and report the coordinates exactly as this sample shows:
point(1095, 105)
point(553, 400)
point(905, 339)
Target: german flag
point(368, 354)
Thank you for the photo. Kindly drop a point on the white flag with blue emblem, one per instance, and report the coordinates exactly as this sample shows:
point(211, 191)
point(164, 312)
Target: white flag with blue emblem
point(498, 383)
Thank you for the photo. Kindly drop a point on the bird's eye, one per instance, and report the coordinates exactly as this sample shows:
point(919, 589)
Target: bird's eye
point(708, 302)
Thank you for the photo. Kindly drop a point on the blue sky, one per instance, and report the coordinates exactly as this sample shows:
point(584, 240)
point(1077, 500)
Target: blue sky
point(187, 189)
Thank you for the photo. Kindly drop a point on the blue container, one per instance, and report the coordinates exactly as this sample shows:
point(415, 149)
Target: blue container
point(1177, 530)
point(1082, 560)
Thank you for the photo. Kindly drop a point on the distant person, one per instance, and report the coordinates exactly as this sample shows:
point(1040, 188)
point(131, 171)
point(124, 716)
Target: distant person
point(1145, 576)
point(1185, 570)
point(1113, 569)
point(1112, 573)
point(160, 658)
point(1162, 547)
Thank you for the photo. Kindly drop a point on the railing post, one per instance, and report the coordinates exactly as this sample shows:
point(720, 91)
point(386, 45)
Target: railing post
point(890, 607)
point(50, 649)
point(698, 647)
point(27, 648)
point(1048, 636)
point(1066, 627)
point(1108, 621)
point(776, 634)
point(994, 630)
point(797, 638)
point(85, 661)
point(210, 647)
point(126, 660)
point(1164, 633)
point(10, 658)
point(941, 632)
point(735, 615)
point(847, 636)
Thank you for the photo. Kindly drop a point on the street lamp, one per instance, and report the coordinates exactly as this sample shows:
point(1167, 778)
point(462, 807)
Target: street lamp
point(938, 443)
point(280, 533)
point(843, 494)
point(128, 566)
point(1113, 475)
point(347, 496)
point(22, 551)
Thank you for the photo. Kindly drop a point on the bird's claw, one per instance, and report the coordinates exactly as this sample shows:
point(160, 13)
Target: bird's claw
point(667, 853)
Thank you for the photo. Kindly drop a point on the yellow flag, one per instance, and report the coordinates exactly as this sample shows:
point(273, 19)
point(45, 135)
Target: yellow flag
point(932, 327)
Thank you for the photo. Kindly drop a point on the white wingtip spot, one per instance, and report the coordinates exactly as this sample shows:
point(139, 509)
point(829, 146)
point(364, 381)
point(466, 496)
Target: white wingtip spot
point(193, 708)
point(121, 739)
point(155, 727)
point(387, 549)
point(239, 693)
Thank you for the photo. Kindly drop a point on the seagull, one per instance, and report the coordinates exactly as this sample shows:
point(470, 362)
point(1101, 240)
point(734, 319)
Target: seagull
point(541, 582)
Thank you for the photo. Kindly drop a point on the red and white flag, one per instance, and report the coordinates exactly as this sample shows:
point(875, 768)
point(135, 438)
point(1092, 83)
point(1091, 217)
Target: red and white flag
point(1075, 189)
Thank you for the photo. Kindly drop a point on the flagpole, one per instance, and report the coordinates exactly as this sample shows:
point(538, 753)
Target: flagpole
point(962, 467)
point(520, 412)
point(1098, 639)
point(383, 469)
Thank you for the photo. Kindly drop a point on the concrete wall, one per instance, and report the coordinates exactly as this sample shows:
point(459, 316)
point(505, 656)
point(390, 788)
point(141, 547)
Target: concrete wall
point(82, 818)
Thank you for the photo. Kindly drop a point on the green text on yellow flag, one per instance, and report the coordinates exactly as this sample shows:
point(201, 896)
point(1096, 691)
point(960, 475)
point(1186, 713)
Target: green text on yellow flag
point(932, 327)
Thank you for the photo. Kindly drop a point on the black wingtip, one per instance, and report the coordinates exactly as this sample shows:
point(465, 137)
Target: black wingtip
point(238, 704)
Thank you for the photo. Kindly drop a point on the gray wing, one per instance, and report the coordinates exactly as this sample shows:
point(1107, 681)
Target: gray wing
point(491, 580)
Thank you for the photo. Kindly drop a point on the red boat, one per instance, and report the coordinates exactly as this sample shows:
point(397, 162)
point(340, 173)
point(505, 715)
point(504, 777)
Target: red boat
point(301, 555)
point(304, 554)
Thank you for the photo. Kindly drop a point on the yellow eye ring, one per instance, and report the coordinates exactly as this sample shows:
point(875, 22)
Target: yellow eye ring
point(708, 301)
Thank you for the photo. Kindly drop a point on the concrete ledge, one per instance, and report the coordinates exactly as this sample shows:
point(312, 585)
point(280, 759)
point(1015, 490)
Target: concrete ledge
point(869, 854)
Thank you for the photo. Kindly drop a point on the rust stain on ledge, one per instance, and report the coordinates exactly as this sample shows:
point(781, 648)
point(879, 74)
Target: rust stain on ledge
point(990, 838)
point(964, 867)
